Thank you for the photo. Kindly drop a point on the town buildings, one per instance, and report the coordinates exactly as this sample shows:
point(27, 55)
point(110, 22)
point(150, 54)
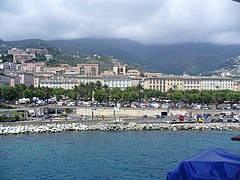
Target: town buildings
point(67, 77)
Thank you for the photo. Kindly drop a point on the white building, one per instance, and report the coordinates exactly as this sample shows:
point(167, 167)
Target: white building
point(117, 81)
point(65, 81)
point(217, 83)
point(133, 73)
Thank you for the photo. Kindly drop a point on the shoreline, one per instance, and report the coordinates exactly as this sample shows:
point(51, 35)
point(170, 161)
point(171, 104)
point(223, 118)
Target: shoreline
point(55, 127)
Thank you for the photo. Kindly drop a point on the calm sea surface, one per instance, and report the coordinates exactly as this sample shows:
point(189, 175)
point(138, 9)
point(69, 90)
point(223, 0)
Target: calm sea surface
point(104, 155)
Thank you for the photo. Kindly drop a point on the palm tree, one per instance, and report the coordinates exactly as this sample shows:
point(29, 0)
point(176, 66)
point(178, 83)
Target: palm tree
point(75, 94)
point(107, 92)
point(91, 87)
point(98, 85)
point(139, 89)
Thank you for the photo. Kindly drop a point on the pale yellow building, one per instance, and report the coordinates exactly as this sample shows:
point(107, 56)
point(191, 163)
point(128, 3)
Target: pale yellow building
point(164, 83)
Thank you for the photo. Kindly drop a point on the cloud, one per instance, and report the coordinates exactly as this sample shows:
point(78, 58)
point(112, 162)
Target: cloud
point(150, 22)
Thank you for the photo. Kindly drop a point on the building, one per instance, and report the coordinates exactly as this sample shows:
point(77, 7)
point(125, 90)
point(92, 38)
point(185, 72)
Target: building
point(22, 78)
point(133, 73)
point(164, 83)
point(4, 79)
point(89, 70)
point(120, 69)
point(59, 82)
point(237, 85)
point(136, 81)
point(116, 81)
point(22, 58)
point(65, 81)
point(8, 67)
point(37, 51)
point(191, 82)
point(33, 67)
point(217, 83)
point(49, 56)
point(16, 51)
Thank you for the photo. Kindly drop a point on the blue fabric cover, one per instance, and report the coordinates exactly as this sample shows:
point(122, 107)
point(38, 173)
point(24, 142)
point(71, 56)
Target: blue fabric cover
point(212, 163)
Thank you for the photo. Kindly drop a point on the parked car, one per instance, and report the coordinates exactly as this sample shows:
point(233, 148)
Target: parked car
point(181, 117)
point(157, 116)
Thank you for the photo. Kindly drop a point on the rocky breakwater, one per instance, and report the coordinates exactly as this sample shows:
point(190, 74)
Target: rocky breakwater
point(113, 126)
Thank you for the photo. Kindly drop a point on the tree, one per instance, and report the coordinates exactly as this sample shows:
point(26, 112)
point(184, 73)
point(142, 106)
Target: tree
point(107, 93)
point(139, 89)
point(47, 93)
point(98, 85)
point(116, 94)
point(99, 95)
point(92, 87)
point(75, 89)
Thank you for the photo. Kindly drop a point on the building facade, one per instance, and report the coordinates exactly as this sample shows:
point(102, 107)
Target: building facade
point(120, 69)
point(22, 58)
point(23, 78)
point(89, 70)
point(117, 81)
point(164, 83)
point(133, 73)
point(37, 51)
point(5, 80)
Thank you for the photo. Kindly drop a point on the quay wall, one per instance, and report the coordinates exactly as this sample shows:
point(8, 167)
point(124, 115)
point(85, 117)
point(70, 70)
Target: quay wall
point(114, 126)
point(123, 112)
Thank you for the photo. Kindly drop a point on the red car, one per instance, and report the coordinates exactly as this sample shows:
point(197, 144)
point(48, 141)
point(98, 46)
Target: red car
point(181, 118)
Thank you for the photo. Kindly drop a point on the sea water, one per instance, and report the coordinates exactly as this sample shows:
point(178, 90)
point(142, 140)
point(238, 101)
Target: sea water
point(104, 154)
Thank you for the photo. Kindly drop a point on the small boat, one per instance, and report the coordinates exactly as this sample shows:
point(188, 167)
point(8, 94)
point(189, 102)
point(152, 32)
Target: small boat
point(213, 163)
point(236, 138)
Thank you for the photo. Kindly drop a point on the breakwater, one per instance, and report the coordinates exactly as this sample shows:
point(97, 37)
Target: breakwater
point(113, 126)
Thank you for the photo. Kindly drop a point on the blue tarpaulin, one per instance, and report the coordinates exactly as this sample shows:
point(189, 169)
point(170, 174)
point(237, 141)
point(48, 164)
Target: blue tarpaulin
point(212, 163)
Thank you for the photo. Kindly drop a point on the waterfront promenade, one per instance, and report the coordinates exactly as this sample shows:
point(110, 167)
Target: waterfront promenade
point(117, 119)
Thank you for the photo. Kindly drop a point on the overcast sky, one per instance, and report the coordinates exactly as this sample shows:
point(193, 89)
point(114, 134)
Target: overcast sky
point(145, 21)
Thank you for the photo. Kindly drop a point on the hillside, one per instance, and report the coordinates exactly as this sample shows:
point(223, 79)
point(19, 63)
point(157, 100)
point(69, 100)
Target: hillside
point(193, 58)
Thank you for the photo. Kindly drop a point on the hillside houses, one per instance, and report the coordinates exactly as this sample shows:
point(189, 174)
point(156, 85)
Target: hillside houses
point(67, 77)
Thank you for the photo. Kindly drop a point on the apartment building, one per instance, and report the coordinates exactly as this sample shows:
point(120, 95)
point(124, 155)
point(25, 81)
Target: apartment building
point(116, 81)
point(133, 73)
point(164, 83)
point(4, 79)
point(64, 81)
point(37, 51)
point(88, 70)
point(192, 82)
point(217, 83)
point(22, 58)
point(8, 67)
point(59, 82)
point(16, 51)
point(22, 78)
point(33, 67)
